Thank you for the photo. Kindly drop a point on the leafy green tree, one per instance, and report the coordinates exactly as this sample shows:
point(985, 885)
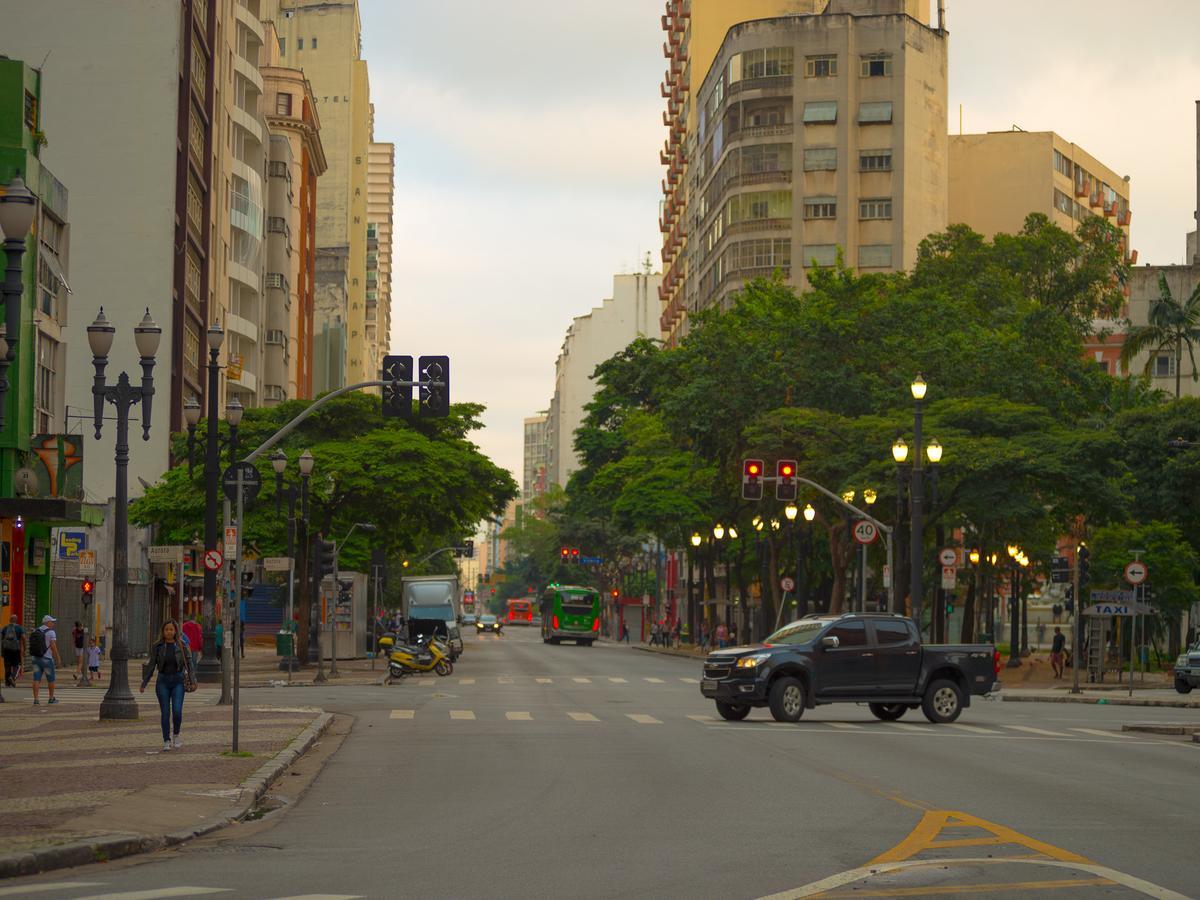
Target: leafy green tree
point(1172, 325)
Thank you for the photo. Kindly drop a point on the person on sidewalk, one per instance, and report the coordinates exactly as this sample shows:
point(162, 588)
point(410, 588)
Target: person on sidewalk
point(624, 632)
point(93, 654)
point(722, 636)
point(675, 633)
point(77, 643)
point(171, 658)
point(43, 650)
point(194, 638)
point(705, 637)
point(655, 633)
point(12, 644)
point(1056, 652)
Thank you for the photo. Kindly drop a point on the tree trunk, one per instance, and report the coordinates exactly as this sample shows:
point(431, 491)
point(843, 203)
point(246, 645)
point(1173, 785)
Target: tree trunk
point(968, 623)
point(840, 555)
point(1178, 365)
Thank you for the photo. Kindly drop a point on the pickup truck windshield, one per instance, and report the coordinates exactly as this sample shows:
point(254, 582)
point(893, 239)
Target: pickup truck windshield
point(796, 633)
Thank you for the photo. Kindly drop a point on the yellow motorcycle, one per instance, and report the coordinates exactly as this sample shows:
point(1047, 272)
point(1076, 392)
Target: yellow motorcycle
point(427, 654)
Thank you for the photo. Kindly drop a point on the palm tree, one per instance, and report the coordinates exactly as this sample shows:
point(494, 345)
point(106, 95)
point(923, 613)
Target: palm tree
point(1171, 325)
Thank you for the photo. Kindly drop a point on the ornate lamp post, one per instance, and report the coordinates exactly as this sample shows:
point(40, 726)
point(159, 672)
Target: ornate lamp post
point(118, 702)
point(693, 619)
point(18, 207)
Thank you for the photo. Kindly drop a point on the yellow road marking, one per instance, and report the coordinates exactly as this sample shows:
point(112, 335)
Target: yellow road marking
point(402, 713)
point(975, 888)
point(466, 681)
point(582, 680)
point(656, 681)
point(518, 717)
point(924, 837)
point(545, 681)
point(583, 717)
point(462, 714)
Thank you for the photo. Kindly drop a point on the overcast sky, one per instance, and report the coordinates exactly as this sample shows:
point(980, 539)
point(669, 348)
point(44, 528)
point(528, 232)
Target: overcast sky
point(527, 141)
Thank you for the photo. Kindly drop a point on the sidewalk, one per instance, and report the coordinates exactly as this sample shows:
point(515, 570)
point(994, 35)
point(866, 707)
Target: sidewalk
point(76, 790)
point(260, 668)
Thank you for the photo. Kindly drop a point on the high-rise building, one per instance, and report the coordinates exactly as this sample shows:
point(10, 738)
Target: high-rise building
point(323, 38)
point(999, 178)
point(631, 312)
point(797, 128)
point(296, 162)
point(143, 230)
point(537, 448)
point(381, 189)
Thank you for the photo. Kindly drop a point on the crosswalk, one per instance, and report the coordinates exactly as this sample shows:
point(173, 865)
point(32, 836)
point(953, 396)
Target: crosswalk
point(95, 890)
point(95, 694)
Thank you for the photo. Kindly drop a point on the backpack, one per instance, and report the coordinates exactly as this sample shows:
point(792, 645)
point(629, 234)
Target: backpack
point(37, 643)
point(12, 640)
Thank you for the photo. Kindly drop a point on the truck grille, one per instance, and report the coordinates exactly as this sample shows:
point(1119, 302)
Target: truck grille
point(1194, 660)
point(716, 671)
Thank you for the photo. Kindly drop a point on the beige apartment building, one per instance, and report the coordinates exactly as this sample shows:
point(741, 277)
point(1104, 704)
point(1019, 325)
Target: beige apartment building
point(537, 451)
point(999, 178)
point(381, 190)
point(797, 129)
point(323, 38)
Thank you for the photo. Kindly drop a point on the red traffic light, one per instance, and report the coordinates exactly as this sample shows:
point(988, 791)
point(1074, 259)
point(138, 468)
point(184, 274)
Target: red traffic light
point(785, 487)
point(616, 593)
point(575, 552)
point(787, 470)
point(88, 586)
point(752, 472)
point(564, 552)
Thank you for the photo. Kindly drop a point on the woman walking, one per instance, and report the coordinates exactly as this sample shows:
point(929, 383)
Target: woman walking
point(174, 664)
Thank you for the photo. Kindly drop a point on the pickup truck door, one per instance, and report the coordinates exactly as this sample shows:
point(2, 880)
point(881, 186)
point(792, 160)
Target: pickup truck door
point(897, 656)
point(848, 669)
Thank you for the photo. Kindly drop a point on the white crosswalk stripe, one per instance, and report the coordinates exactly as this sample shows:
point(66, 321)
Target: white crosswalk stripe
point(582, 717)
point(582, 680)
point(157, 893)
point(466, 681)
point(402, 713)
point(904, 726)
point(618, 681)
point(643, 719)
point(690, 680)
point(322, 897)
point(704, 720)
point(656, 681)
point(518, 717)
point(844, 725)
point(545, 681)
point(974, 729)
point(1029, 729)
point(462, 714)
point(26, 889)
point(1107, 734)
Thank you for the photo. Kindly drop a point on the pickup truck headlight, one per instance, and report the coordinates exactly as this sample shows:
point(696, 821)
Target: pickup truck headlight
point(1182, 661)
point(751, 662)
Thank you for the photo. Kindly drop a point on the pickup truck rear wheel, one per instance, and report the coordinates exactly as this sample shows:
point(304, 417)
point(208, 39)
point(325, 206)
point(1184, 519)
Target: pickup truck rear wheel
point(787, 699)
point(1184, 687)
point(943, 701)
point(731, 711)
point(888, 712)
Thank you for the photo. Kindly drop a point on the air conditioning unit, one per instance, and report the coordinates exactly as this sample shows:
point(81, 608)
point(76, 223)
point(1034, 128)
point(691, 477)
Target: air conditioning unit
point(276, 336)
point(276, 393)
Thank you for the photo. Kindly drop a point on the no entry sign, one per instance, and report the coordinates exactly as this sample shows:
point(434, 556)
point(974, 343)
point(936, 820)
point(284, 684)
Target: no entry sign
point(213, 560)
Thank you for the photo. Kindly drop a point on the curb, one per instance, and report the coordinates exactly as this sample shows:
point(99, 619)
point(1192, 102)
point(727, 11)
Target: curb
point(104, 849)
point(1104, 701)
point(682, 654)
point(1193, 730)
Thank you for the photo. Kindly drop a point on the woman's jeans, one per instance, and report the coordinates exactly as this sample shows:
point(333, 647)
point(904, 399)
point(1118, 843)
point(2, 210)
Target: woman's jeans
point(169, 690)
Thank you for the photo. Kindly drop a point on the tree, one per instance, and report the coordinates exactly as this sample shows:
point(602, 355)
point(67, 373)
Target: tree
point(1171, 325)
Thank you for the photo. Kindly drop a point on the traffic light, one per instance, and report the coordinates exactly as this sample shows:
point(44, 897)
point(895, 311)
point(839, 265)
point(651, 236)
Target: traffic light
point(785, 487)
point(574, 554)
point(752, 486)
point(1085, 564)
point(565, 553)
point(397, 400)
point(87, 591)
point(469, 548)
point(435, 400)
point(615, 593)
point(323, 558)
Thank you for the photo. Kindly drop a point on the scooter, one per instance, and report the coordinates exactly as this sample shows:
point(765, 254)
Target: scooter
point(428, 654)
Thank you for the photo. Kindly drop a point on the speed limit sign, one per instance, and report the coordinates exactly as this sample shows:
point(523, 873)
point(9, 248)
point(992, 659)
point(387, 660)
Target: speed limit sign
point(865, 532)
point(788, 584)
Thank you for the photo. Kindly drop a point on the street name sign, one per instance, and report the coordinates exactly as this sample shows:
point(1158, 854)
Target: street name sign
point(1118, 597)
point(87, 563)
point(251, 481)
point(277, 563)
point(166, 554)
point(865, 532)
point(948, 557)
point(1136, 572)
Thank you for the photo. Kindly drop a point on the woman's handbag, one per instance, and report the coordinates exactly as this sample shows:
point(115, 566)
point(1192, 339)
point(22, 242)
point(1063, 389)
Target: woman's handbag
point(189, 678)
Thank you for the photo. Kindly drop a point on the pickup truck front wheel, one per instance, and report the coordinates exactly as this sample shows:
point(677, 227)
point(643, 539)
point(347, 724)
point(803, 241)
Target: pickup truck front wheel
point(732, 712)
point(1183, 686)
point(943, 702)
point(787, 699)
point(888, 712)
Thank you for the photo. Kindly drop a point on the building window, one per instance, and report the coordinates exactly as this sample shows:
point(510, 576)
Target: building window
point(875, 161)
point(191, 353)
point(820, 207)
point(1063, 203)
point(191, 278)
point(195, 204)
point(765, 117)
point(758, 206)
point(1062, 164)
point(313, 43)
point(283, 104)
point(46, 382)
point(283, 46)
point(820, 255)
point(820, 66)
point(769, 62)
point(875, 113)
point(196, 136)
point(760, 254)
point(880, 208)
point(1164, 365)
point(820, 159)
point(876, 65)
point(820, 112)
point(31, 111)
point(299, 43)
point(875, 256)
point(1102, 365)
point(199, 66)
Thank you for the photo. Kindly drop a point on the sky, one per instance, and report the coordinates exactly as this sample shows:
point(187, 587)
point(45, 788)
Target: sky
point(527, 142)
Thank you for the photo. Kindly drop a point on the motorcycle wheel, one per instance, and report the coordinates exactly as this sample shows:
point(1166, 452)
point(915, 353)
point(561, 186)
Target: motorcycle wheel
point(396, 671)
point(444, 667)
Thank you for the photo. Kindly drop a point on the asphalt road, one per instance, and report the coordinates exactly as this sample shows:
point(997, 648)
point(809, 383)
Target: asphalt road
point(538, 771)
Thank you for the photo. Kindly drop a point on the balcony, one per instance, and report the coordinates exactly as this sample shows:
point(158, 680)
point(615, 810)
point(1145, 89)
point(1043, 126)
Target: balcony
point(245, 17)
point(760, 131)
point(1082, 190)
point(769, 85)
point(244, 327)
point(248, 70)
point(1123, 217)
point(247, 122)
point(245, 214)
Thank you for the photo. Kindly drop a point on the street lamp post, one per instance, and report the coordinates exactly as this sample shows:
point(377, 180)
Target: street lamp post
point(18, 207)
point(917, 495)
point(869, 497)
point(693, 624)
point(1017, 560)
point(118, 702)
point(292, 493)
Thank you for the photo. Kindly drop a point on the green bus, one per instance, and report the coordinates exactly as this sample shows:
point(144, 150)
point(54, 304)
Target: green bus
point(570, 613)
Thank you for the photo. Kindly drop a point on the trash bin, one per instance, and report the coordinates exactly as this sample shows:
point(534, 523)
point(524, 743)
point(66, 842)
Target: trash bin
point(283, 643)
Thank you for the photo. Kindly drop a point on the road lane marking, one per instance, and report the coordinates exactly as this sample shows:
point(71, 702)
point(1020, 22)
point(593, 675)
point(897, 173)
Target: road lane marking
point(545, 681)
point(704, 720)
point(690, 680)
point(518, 717)
point(466, 681)
point(929, 890)
point(1031, 730)
point(904, 726)
point(462, 714)
point(925, 837)
point(402, 714)
point(1107, 734)
point(846, 725)
point(582, 680)
point(618, 681)
point(643, 719)
point(504, 679)
point(582, 717)
point(322, 897)
point(42, 888)
point(156, 893)
point(974, 729)
point(655, 681)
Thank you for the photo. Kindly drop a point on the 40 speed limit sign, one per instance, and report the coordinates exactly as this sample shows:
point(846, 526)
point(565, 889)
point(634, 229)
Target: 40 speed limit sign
point(866, 532)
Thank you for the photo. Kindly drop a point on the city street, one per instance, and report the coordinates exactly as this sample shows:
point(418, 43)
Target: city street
point(540, 771)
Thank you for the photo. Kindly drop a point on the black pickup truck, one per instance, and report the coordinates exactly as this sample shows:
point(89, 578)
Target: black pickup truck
point(872, 659)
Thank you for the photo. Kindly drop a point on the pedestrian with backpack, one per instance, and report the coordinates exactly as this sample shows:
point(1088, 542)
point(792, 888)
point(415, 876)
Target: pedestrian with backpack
point(176, 676)
point(43, 651)
point(12, 644)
